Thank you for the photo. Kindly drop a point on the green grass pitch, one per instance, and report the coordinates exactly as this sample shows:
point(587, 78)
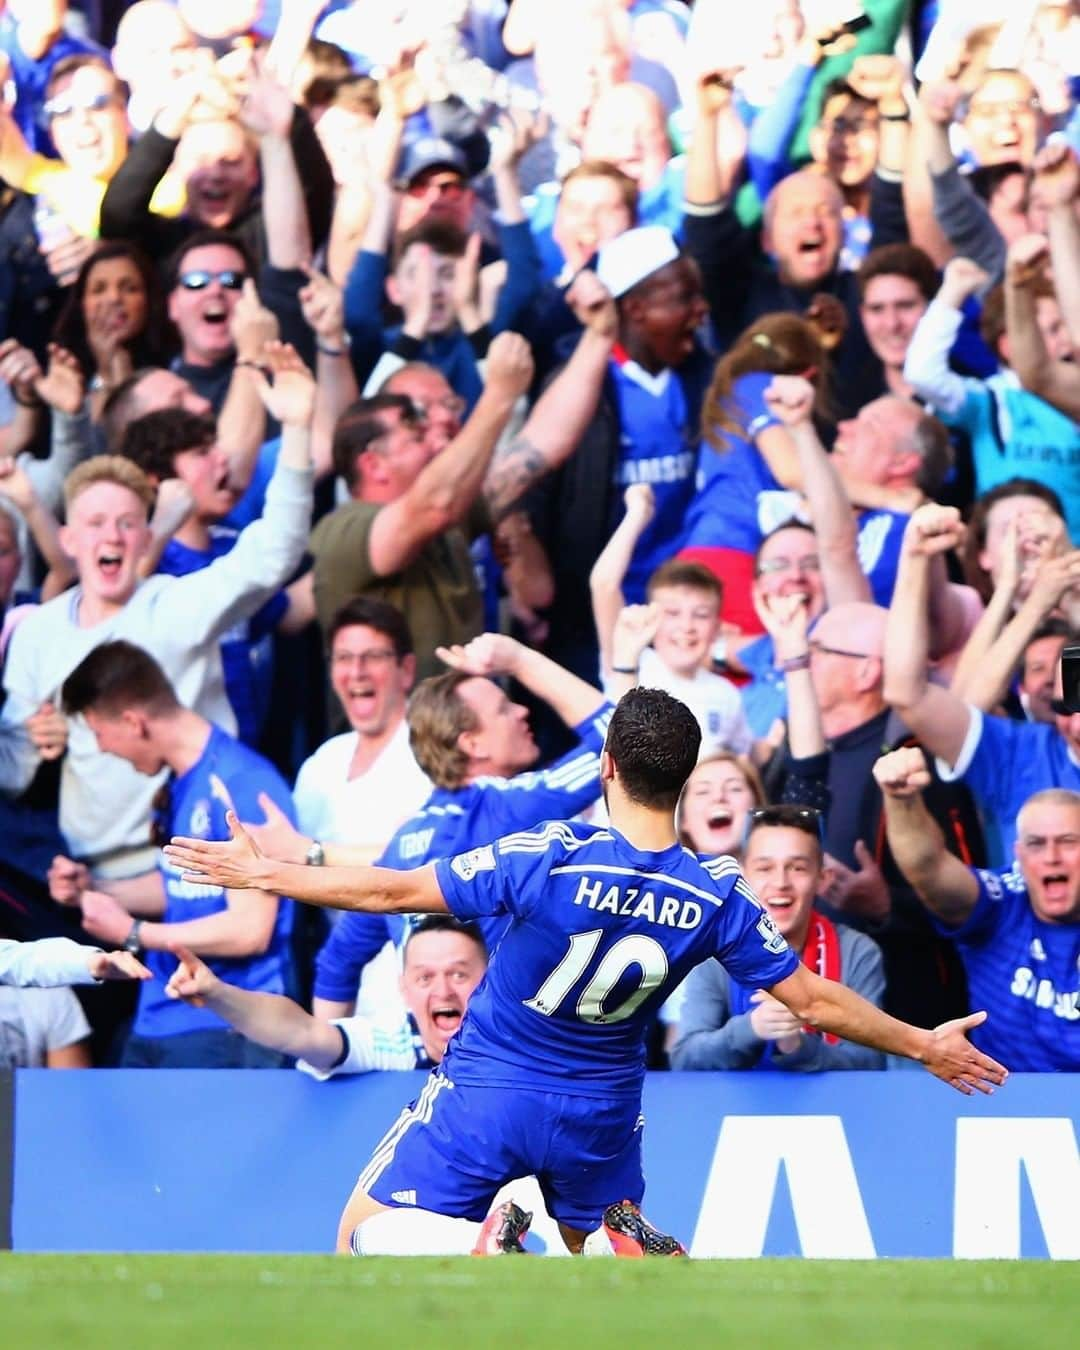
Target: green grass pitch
point(265, 1302)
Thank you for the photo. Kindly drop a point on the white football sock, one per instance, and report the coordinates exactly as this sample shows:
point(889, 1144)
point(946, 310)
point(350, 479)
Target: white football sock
point(414, 1232)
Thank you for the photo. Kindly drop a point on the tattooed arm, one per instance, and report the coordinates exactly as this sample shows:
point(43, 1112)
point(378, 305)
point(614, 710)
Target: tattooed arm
point(564, 410)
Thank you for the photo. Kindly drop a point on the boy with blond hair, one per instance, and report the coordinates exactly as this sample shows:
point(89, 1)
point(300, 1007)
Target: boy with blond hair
point(667, 643)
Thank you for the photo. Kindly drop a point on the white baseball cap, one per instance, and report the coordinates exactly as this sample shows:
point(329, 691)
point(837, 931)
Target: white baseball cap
point(634, 255)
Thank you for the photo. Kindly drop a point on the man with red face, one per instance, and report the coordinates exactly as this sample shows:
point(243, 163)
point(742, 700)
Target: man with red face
point(1017, 928)
point(443, 962)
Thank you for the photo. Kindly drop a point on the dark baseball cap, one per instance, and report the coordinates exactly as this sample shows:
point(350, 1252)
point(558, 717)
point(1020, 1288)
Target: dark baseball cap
point(431, 152)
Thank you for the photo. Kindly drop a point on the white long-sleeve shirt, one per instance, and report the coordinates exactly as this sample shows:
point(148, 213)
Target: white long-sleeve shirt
point(104, 803)
point(45, 963)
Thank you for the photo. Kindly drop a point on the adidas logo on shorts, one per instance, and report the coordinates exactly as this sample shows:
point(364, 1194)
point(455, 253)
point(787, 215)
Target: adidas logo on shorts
point(403, 1197)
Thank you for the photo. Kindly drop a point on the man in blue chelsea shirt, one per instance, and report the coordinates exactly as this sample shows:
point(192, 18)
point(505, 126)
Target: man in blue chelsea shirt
point(133, 711)
point(1017, 928)
point(545, 1075)
point(475, 745)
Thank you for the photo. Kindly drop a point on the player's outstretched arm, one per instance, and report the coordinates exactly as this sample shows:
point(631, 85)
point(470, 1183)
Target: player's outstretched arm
point(268, 1019)
point(238, 864)
point(946, 1052)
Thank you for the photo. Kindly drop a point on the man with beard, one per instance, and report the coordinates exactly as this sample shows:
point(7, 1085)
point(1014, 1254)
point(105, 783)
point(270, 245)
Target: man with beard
point(1017, 929)
point(442, 963)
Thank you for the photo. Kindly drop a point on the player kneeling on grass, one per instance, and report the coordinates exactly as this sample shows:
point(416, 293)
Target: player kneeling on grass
point(545, 1076)
point(443, 962)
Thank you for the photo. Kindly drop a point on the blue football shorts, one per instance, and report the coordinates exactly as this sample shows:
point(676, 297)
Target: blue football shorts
point(457, 1144)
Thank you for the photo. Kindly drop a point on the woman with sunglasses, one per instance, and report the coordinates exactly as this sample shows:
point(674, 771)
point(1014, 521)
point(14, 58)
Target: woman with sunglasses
point(114, 318)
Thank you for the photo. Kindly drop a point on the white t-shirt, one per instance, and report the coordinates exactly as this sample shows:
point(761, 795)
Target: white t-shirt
point(366, 810)
point(714, 701)
point(35, 1021)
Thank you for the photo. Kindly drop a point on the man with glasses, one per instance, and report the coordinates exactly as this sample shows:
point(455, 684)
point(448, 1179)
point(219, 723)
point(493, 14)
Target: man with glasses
point(726, 1025)
point(357, 788)
point(1001, 761)
point(133, 712)
point(1017, 928)
point(838, 724)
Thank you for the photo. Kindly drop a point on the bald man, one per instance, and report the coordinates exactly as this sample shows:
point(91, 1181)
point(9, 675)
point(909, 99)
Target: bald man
point(791, 265)
point(834, 688)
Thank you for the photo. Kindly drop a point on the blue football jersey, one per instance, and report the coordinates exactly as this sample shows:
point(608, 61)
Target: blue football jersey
point(1025, 973)
point(600, 934)
point(453, 820)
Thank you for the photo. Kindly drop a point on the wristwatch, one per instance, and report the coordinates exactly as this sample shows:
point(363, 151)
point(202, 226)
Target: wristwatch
point(315, 856)
point(131, 942)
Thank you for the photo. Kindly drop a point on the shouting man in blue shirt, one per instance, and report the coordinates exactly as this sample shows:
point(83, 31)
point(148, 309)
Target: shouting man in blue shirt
point(545, 1076)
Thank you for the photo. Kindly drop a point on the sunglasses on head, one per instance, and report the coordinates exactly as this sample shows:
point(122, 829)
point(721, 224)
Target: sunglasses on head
point(788, 815)
point(66, 104)
point(199, 279)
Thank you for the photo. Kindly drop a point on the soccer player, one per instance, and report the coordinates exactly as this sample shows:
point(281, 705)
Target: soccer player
point(545, 1075)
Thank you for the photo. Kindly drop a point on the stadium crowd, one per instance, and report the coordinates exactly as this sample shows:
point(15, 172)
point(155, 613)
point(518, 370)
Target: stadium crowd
point(388, 386)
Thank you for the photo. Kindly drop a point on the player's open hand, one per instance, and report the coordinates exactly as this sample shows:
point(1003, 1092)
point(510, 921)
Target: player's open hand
point(116, 966)
point(951, 1057)
point(192, 980)
point(236, 863)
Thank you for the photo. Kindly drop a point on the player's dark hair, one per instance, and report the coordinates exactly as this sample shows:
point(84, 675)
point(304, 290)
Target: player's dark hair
point(154, 440)
point(368, 612)
point(115, 676)
point(446, 923)
point(654, 740)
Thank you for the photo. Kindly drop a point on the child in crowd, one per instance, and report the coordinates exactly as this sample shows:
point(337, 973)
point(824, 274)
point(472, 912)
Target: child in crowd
point(676, 629)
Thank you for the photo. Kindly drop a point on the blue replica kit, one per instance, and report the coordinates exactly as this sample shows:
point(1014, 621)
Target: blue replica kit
point(451, 821)
point(1025, 973)
point(545, 1075)
point(197, 806)
point(658, 446)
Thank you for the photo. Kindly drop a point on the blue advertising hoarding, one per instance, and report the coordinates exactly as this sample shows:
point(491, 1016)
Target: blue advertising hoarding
point(840, 1165)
